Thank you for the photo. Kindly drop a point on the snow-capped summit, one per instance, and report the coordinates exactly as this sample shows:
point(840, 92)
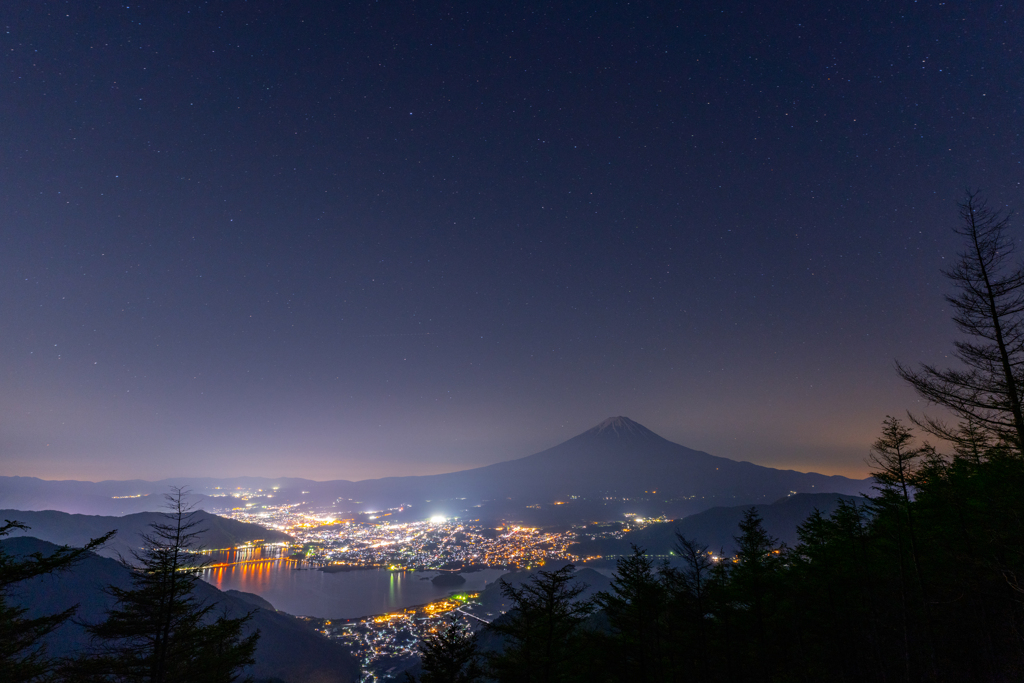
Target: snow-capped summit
point(622, 426)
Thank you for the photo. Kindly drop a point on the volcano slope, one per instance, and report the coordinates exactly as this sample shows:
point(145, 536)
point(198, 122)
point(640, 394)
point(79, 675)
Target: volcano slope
point(617, 462)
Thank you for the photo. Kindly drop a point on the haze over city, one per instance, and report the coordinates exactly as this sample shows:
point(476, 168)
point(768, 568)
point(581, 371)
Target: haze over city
point(344, 241)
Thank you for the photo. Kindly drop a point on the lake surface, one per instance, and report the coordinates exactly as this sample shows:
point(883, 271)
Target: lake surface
point(296, 588)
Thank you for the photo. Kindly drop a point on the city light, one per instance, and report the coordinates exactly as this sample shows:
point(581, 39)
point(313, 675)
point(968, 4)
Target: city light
point(324, 540)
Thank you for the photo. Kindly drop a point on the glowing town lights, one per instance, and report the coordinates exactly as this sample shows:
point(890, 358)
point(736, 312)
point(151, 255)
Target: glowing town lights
point(403, 546)
point(388, 617)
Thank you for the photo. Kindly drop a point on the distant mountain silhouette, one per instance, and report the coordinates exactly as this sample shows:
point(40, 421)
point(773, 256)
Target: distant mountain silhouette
point(616, 460)
point(88, 497)
point(76, 530)
point(289, 650)
point(718, 527)
point(619, 458)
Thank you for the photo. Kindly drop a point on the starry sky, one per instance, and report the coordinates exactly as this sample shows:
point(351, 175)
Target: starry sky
point(351, 240)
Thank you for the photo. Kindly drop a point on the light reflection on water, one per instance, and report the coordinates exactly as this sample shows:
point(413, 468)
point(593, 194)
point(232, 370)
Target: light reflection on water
point(292, 586)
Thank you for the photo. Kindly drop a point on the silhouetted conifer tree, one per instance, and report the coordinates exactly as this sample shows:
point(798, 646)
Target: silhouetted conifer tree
point(897, 468)
point(450, 655)
point(689, 590)
point(989, 309)
point(158, 632)
point(830, 572)
point(541, 632)
point(636, 611)
point(753, 580)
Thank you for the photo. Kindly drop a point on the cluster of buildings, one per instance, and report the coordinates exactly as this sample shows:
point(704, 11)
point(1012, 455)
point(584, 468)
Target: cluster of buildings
point(433, 544)
point(450, 545)
point(387, 644)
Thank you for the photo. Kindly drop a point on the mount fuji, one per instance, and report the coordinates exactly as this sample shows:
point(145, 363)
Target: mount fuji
point(617, 464)
point(615, 460)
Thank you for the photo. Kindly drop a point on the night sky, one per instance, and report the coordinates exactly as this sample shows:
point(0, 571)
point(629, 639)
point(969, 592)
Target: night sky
point(351, 240)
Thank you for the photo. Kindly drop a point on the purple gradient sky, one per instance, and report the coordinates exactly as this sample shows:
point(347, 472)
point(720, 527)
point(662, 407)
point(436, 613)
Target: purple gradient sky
point(351, 240)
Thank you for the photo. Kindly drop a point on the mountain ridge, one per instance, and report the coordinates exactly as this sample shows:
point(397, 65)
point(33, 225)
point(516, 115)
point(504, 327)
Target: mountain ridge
point(65, 528)
point(616, 459)
point(718, 527)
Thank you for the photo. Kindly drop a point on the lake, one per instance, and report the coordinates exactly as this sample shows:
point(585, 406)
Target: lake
point(295, 587)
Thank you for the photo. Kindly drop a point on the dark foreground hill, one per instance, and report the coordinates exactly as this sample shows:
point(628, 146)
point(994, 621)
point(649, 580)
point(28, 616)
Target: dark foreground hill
point(288, 650)
point(617, 466)
point(718, 527)
point(76, 530)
